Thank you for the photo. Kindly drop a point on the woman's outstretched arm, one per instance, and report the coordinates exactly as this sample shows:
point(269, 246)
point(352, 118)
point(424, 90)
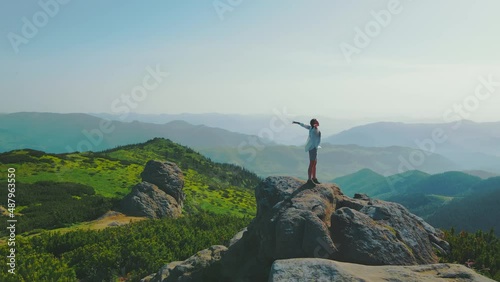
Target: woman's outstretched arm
point(306, 126)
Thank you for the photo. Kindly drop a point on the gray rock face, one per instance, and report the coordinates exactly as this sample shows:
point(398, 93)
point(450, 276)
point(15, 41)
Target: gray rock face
point(377, 233)
point(162, 274)
point(167, 176)
point(322, 270)
point(159, 195)
point(298, 220)
point(358, 238)
point(148, 200)
point(273, 190)
point(237, 237)
point(203, 266)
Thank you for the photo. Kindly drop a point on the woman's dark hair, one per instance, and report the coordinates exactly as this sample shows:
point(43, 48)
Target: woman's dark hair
point(314, 121)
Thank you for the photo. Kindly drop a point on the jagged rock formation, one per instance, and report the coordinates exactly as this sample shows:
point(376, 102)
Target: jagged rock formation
point(375, 232)
point(298, 220)
point(159, 195)
point(148, 200)
point(203, 266)
point(311, 269)
point(167, 176)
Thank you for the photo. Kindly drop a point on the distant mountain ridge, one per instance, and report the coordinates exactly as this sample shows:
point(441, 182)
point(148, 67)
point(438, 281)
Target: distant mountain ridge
point(475, 146)
point(333, 161)
point(279, 121)
point(63, 133)
point(113, 173)
point(373, 184)
point(450, 199)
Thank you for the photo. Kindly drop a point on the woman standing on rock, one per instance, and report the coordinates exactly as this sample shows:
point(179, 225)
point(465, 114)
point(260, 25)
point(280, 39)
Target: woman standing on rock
point(312, 146)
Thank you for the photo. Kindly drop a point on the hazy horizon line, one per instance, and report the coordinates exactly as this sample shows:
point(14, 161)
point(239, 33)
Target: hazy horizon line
point(400, 119)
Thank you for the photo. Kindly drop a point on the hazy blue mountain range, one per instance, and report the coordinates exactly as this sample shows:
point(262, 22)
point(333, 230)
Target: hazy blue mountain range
point(62, 133)
point(278, 122)
point(470, 144)
point(449, 199)
point(481, 173)
point(333, 161)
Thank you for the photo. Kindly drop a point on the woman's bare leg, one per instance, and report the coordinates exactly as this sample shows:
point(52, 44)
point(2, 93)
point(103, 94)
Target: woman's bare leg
point(310, 169)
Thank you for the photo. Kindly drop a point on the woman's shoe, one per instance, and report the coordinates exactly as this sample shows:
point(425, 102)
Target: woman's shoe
point(315, 180)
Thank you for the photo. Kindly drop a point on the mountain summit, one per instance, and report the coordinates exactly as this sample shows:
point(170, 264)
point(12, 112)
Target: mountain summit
point(303, 222)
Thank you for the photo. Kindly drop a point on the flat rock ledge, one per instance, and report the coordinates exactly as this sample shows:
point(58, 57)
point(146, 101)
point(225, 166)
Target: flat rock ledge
point(323, 270)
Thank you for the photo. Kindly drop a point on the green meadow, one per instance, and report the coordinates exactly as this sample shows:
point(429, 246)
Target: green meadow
point(61, 198)
point(209, 186)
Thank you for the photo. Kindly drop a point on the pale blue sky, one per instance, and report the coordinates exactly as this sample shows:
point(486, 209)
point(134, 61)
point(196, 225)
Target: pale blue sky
point(260, 55)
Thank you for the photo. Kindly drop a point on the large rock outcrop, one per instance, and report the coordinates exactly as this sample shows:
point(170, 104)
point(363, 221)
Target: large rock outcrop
point(299, 220)
point(322, 270)
point(148, 200)
point(376, 232)
point(160, 194)
point(167, 176)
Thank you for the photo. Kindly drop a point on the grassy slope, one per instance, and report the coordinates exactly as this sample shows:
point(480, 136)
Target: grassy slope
point(219, 188)
point(209, 186)
point(365, 181)
point(452, 183)
point(209, 190)
point(109, 178)
point(375, 185)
